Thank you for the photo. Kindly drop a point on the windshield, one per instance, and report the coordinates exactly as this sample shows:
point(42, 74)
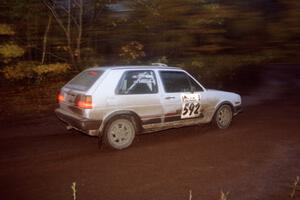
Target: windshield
point(84, 80)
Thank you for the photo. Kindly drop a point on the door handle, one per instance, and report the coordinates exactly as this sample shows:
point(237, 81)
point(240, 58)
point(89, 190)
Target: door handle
point(170, 97)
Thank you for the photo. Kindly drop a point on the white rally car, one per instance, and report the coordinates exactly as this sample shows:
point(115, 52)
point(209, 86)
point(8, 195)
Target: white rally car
point(121, 101)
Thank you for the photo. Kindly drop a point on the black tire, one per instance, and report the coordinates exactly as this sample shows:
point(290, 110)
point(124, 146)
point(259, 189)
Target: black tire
point(120, 132)
point(223, 116)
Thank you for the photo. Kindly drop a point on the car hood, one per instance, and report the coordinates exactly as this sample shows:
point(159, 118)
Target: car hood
point(225, 96)
point(219, 91)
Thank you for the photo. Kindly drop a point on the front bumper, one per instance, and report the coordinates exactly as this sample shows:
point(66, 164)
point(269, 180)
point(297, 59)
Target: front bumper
point(237, 110)
point(84, 125)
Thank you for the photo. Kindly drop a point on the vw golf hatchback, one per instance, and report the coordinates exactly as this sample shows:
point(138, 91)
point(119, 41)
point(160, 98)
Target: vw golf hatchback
point(120, 102)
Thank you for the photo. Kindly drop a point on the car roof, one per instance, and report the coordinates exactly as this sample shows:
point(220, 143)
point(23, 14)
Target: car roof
point(134, 67)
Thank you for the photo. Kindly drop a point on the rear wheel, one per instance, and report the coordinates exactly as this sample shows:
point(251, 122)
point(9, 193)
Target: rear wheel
point(223, 116)
point(120, 132)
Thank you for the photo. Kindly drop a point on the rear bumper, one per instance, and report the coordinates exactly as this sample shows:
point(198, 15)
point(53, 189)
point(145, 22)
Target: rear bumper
point(84, 125)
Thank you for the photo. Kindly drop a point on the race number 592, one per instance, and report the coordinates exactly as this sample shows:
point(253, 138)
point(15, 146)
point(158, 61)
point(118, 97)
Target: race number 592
point(190, 106)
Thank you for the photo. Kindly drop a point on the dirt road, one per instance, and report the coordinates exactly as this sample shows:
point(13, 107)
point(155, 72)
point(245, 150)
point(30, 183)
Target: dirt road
point(258, 157)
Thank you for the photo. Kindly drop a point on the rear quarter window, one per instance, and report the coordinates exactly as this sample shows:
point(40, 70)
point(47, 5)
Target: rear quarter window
point(137, 82)
point(84, 80)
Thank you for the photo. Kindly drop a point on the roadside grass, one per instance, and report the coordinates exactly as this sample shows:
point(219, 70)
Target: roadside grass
point(223, 195)
point(293, 195)
point(74, 190)
point(295, 188)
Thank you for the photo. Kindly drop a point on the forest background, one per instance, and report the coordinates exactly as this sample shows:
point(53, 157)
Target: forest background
point(43, 43)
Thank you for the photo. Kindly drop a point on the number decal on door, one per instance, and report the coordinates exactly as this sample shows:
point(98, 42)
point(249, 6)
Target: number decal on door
point(190, 105)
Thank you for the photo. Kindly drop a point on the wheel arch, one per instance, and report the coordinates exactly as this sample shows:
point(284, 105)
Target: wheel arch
point(221, 104)
point(135, 117)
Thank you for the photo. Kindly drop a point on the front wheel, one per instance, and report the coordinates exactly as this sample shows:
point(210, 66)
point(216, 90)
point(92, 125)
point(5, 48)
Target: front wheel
point(223, 117)
point(120, 133)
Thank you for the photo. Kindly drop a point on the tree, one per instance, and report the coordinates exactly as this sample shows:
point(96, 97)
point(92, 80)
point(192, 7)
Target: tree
point(178, 28)
point(45, 38)
point(284, 30)
point(69, 15)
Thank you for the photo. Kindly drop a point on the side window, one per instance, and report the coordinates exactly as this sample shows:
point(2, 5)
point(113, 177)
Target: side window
point(137, 82)
point(195, 85)
point(175, 81)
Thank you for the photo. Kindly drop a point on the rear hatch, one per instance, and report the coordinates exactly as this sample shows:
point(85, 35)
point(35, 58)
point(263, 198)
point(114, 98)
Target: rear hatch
point(73, 96)
point(83, 81)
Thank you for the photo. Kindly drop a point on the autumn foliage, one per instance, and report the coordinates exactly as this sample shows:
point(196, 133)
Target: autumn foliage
point(31, 70)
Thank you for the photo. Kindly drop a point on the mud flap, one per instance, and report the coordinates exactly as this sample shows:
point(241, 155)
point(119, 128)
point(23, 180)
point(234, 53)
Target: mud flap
point(101, 141)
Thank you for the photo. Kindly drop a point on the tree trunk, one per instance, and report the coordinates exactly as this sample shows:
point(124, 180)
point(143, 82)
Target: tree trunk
point(78, 40)
point(46, 38)
point(73, 49)
point(68, 35)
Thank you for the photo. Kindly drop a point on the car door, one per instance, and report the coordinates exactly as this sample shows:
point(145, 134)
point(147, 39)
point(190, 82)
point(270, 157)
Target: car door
point(137, 91)
point(181, 99)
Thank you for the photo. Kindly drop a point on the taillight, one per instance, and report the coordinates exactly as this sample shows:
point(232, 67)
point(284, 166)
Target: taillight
point(84, 101)
point(60, 97)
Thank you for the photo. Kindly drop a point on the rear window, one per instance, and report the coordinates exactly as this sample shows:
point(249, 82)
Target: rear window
point(84, 80)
